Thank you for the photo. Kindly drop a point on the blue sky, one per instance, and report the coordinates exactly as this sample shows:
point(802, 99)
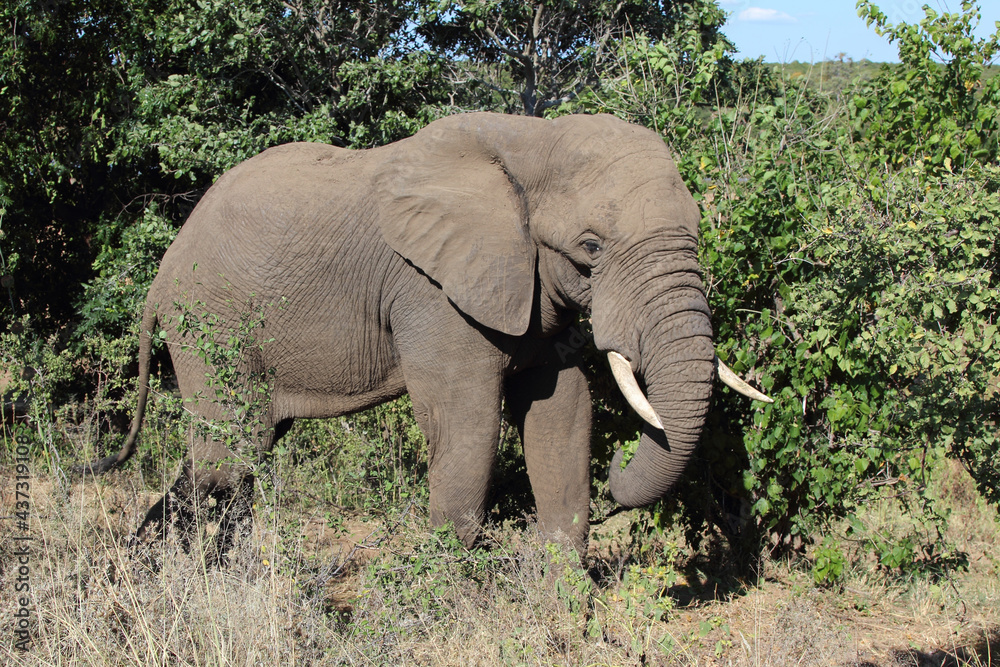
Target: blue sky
point(784, 30)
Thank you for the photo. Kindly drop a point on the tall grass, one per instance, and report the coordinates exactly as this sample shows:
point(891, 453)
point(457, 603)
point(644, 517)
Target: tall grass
point(404, 594)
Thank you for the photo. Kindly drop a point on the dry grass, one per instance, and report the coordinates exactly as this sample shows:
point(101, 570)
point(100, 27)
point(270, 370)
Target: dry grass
point(403, 597)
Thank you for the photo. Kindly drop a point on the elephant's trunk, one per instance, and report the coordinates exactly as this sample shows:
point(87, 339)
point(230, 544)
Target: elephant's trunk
point(678, 373)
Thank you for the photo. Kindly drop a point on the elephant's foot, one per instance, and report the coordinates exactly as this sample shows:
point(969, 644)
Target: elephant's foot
point(185, 513)
point(235, 515)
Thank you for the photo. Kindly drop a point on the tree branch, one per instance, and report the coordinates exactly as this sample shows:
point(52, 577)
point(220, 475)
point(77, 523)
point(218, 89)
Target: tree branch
point(521, 58)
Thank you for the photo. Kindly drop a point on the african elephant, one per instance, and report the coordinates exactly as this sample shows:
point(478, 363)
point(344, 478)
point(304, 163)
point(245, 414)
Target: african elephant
point(450, 265)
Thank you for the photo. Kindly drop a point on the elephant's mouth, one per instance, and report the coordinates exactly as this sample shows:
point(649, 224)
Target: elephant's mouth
point(621, 368)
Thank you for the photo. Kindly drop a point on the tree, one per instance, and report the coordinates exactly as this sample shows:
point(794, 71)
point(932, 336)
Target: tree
point(60, 97)
point(536, 55)
point(116, 116)
point(941, 104)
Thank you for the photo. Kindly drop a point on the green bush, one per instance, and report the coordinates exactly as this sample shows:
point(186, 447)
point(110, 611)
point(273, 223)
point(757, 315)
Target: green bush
point(111, 304)
point(866, 304)
point(851, 270)
point(374, 460)
point(939, 106)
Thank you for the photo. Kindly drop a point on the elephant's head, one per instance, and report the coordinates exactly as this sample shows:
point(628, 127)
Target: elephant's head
point(523, 220)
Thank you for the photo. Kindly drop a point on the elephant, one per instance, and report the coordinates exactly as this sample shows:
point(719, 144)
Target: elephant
point(451, 266)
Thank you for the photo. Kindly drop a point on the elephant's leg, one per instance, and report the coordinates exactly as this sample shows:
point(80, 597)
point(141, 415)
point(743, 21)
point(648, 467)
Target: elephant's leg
point(174, 509)
point(188, 503)
point(211, 472)
point(459, 414)
point(233, 507)
point(234, 502)
point(551, 408)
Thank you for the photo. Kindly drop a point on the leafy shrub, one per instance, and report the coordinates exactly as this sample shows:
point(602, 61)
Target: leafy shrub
point(111, 304)
point(829, 563)
point(67, 427)
point(375, 460)
point(939, 105)
point(855, 281)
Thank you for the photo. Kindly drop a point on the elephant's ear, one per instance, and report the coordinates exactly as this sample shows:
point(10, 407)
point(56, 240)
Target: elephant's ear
point(450, 207)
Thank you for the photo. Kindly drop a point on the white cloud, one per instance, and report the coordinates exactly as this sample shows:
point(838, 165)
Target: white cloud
point(761, 15)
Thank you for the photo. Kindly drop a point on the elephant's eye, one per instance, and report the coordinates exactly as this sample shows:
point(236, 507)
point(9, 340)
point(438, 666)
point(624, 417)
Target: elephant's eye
point(592, 247)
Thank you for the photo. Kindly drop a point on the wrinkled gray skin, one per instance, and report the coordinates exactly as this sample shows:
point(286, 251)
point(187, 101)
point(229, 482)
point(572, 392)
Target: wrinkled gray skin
point(449, 265)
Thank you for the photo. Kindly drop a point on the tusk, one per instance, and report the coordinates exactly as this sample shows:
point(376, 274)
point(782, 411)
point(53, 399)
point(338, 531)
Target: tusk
point(733, 381)
point(621, 368)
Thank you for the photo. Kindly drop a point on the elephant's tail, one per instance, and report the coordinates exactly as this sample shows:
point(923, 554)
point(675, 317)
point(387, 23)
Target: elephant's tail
point(149, 320)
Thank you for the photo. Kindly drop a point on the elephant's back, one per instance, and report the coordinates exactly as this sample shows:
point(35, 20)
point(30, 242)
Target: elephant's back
point(289, 167)
point(281, 185)
point(265, 215)
point(293, 231)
